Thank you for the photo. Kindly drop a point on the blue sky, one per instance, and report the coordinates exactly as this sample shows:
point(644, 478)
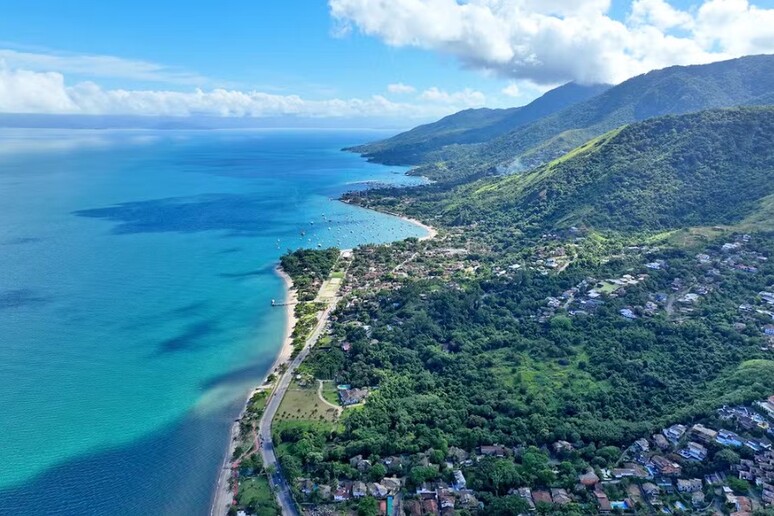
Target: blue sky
point(277, 46)
point(338, 57)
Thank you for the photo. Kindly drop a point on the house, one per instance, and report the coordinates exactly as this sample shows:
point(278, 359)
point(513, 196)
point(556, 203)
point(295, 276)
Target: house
point(562, 446)
point(446, 499)
point(650, 489)
point(560, 496)
point(392, 484)
point(757, 445)
point(731, 246)
point(343, 493)
point(639, 471)
point(729, 495)
point(358, 462)
point(743, 505)
point(352, 396)
point(359, 489)
point(378, 490)
point(728, 438)
point(526, 494)
point(715, 479)
point(494, 451)
point(623, 473)
point(689, 485)
point(429, 506)
point(589, 479)
point(458, 454)
point(306, 486)
point(642, 444)
point(469, 500)
point(769, 330)
point(674, 433)
point(665, 466)
point(694, 451)
point(459, 480)
point(703, 434)
point(603, 501)
point(542, 496)
point(627, 313)
point(660, 442)
point(697, 499)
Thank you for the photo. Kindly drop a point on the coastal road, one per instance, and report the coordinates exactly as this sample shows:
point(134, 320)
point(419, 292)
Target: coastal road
point(278, 482)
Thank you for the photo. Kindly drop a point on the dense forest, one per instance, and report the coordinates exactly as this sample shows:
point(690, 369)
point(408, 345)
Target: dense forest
point(309, 268)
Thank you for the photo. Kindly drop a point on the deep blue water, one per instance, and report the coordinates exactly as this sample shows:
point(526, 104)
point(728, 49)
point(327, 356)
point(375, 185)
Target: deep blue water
point(136, 273)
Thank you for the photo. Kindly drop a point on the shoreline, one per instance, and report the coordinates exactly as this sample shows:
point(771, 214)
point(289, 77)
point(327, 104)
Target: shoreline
point(431, 231)
point(223, 495)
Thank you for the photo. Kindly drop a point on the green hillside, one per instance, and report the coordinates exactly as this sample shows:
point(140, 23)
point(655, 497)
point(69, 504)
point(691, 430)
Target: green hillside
point(674, 90)
point(708, 168)
point(472, 126)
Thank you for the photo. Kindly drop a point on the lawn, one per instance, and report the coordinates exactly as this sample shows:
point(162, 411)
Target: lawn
point(255, 494)
point(302, 404)
point(330, 393)
point(329, 289)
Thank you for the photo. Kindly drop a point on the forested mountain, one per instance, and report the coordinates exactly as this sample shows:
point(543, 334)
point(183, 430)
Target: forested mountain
point(674, 90)
point(564, 313)
point(706, 168)
point(472, 126)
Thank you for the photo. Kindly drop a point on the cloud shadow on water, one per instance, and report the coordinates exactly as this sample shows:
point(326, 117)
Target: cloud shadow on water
point(238, 214)
point(20, 298)
point(169, 472)
point(265, 271)
point(22, 241)
point(191, 338)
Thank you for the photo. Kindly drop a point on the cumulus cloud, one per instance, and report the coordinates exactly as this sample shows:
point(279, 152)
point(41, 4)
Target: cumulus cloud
point(512, 90)
point(26, 91)
point(549, 41)
point(400, 88)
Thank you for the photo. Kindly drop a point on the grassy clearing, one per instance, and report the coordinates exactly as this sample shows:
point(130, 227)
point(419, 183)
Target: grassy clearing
point(547, 379)
point(608, 287)
point(330, 393)
point(329, 289)
point(301, 403)
point(255, 494)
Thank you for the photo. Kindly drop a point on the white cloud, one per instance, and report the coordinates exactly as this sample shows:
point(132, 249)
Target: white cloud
point(26, 91)
point(512, 90)
point(23, 91)
point(659, 14)
point(400, 88)
point(99, 66)
point(466, 97)
point(559, 40)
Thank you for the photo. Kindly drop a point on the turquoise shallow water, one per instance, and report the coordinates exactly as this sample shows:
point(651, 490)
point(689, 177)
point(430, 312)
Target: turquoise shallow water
point(136, 273)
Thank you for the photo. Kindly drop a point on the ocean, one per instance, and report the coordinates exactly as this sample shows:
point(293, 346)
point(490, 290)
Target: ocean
point(136, 276)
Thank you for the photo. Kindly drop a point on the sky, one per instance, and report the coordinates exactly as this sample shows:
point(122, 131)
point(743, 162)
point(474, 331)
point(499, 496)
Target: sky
point(365, 60)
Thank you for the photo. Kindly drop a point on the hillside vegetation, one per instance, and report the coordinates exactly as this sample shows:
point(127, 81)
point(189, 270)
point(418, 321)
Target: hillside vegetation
point(708, 168)
point(422, 143)
point(674, 90)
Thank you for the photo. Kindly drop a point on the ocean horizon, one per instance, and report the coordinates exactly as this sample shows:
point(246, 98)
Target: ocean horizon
point(135, 303)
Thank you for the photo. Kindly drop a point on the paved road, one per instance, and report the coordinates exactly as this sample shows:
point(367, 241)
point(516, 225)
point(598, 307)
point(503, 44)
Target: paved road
point(277, 480)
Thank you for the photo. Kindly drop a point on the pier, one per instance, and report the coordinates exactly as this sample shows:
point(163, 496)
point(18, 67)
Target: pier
point(274, 303)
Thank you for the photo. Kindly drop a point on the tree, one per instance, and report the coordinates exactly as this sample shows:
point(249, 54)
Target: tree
point(367, 507)
point(377, 472)
point(740, 487)
point(725, 458)
point(507, 505)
